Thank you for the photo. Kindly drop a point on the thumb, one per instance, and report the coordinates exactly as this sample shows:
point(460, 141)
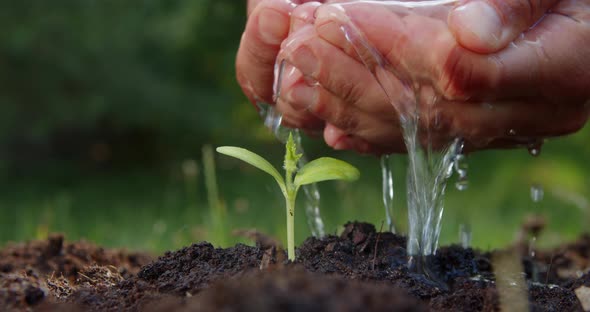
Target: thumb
point(486, 26)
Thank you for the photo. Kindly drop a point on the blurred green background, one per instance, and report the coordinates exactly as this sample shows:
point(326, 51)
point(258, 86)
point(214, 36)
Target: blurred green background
point(107, 108)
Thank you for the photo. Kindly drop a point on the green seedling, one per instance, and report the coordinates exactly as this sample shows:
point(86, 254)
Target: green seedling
point(321, 169)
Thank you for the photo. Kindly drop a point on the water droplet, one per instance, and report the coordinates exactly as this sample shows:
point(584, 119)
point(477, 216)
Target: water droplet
point(465, 235)
point(532, 245)
point(488, 106)
point(537, 193)
point(388, 191)
point(460, 166)
point(512, 132)
point(534, 147)
point(462, 185)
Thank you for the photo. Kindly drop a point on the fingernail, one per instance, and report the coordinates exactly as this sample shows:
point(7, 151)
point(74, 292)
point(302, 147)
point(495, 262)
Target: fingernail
point(302, 96)
point(481, 19)
point(296, 24)
point(273, 26)
point(305, 61)
point(303, 15)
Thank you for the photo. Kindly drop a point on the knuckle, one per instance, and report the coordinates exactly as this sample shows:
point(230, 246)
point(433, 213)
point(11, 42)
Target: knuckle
point(337, 116)
point(257, 55)
point(350, 92)
point(320, 106)
point(456, 76)
point(463, 76)
point(305, 11)
point(346, 120)
point(522, 12)
point(331, 109)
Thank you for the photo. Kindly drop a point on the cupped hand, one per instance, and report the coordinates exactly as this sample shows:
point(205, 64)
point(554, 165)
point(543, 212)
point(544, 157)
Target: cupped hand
point(501, 80)
point(269, 23)
point(498, 88)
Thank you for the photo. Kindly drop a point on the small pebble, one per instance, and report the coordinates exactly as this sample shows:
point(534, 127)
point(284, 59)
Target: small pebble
point(583, 294)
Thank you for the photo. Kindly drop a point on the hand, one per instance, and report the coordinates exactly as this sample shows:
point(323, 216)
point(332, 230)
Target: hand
point(269, 23)
point(500, 87)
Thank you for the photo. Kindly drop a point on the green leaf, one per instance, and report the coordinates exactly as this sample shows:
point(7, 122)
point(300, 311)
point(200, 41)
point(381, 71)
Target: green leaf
point(254, 160)
point(326, 168)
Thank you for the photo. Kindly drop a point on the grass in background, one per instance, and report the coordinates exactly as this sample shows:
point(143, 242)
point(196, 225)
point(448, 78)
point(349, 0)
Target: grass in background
point(163, 210)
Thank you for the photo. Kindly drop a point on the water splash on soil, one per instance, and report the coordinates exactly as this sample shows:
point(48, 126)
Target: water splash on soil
point(429, 168)
point(432, 160)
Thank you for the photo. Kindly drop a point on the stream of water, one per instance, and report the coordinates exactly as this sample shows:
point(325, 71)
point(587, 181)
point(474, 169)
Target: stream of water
point(388, 190)
point(428, 169)
point(430, 164)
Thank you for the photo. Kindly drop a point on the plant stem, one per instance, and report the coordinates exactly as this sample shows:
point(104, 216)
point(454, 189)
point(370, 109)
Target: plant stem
point(291, 158)
point(290, 203)
point(290, 196)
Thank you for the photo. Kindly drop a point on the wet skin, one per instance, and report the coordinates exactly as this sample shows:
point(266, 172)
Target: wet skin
point(500, 83)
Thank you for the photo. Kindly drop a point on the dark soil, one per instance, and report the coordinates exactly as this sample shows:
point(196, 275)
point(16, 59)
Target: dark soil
point(361, 270)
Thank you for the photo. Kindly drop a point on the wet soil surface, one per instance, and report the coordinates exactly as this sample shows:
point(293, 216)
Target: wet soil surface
point(360, 270)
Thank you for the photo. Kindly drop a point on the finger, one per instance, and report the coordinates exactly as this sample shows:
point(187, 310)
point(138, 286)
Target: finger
point(479, 123)
point(251, 5)
point(359, 108)
point(336, 71)
point(553, 58)
point(339, 139)
point(421, 50)
point(267, 26)
point(294, 115)
point(418, 49)
point(303, 15)
point(377, 129)
point(486, 26)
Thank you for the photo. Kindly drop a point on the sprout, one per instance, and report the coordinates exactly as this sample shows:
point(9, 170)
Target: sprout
point(321, 169)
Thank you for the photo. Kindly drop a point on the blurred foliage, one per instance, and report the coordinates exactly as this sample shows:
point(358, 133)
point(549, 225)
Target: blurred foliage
point(136, 71)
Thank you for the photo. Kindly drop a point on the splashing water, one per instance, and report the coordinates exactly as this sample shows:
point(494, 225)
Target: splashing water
point(428, 169)
point(534, 147)
point(415, 101)
point(465, 235)
point(460, 167)
point(312, 208)
point(388, 191)
point(537, 193)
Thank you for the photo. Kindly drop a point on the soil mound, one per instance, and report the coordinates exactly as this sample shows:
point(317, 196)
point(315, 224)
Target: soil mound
point(360, 270)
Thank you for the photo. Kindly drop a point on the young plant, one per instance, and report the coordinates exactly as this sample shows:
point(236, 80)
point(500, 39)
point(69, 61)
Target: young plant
point(321, 169)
